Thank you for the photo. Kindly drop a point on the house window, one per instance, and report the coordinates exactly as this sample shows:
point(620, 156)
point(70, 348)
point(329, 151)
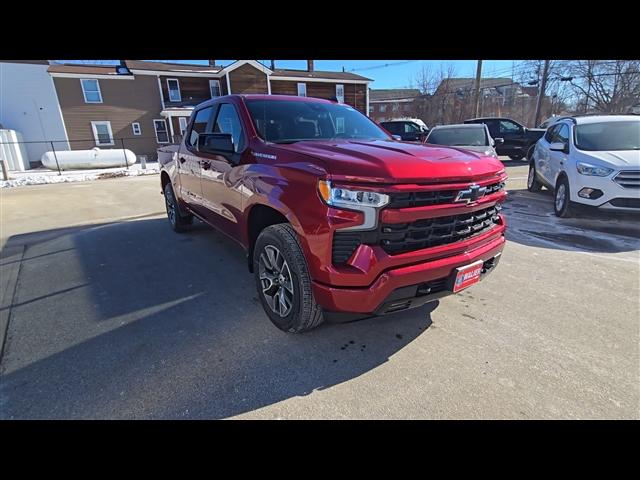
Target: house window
point(136, 128)
point(174, 90)
point(91, 91)
point(302, 89)
point(383, 108)
point(214, 86)
point(183, 125)
point(160, 126)
point(340, 93)
point(102, 133)
point(395, 107)
point(372, 109)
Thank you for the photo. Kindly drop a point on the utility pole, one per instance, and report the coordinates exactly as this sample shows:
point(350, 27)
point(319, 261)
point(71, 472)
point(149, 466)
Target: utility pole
point(477, 88)
point(545, 73)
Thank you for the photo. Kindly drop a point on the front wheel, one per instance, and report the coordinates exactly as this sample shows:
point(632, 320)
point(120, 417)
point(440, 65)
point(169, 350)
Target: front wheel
point(283, 281)
point(178, 222)
point(562, 204)
point(533, 184)
point(515, 157)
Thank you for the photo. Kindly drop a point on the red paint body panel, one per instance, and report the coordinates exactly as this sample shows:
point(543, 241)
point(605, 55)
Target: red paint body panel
point(285, 178)
point(368, 299)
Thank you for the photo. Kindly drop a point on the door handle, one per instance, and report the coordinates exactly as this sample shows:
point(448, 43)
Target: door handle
point(182, 160)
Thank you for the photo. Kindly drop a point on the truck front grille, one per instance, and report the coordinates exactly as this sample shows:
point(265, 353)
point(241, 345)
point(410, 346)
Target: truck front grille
point(432, 232)
point(397, 238)
point(628, 179)
point(422, 199)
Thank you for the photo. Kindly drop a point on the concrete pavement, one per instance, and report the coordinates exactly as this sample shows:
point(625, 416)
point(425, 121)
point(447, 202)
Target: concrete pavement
point(126, 319)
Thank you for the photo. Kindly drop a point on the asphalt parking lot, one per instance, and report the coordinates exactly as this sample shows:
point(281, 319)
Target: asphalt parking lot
point(110, 314)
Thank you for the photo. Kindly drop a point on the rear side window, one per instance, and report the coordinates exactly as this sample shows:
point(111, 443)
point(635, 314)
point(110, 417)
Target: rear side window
point(201, 124)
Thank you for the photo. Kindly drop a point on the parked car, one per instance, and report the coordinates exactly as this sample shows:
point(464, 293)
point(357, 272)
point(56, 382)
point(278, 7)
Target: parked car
point(518, 139)
point(591, 160)
point(409, 129)
point(472, 136)
point(331, 210)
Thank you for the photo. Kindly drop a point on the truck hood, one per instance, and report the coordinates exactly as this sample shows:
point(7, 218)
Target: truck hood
point(617, 158)
point(395, 162)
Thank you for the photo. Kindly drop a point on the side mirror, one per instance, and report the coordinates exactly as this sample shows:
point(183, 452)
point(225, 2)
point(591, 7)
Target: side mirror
point(397, 137)
point(559, 147)
point(498, 141)
point(215, 143)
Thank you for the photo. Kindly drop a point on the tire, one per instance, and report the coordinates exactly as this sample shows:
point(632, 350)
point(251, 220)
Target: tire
point(515, 157)
point(292, 309)
point(562, 204)
point(533, 184)
point(530, 151)
point(178, 222)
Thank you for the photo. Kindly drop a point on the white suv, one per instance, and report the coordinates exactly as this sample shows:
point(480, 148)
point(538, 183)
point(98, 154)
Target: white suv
point(591, 160)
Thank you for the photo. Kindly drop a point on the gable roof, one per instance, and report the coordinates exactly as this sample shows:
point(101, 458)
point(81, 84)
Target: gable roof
point(284, 72)
point(393, 94)
point(171, 67)
point(83, 69)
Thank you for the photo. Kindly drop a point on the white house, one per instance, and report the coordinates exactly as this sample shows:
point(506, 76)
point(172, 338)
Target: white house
point(29, 105)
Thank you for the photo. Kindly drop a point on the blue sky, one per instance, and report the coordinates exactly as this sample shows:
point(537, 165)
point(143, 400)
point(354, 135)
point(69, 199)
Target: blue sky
point(393, 73)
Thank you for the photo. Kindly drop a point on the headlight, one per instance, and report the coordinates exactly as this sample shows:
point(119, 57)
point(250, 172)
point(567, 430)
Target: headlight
point(588, 169)
point(491, 153)
point(343, 197)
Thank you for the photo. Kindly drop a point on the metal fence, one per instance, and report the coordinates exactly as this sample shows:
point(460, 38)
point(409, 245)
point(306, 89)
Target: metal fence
point(24, 155)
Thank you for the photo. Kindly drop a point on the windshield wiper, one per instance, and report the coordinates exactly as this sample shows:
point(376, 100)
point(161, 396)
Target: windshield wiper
point(284, 142)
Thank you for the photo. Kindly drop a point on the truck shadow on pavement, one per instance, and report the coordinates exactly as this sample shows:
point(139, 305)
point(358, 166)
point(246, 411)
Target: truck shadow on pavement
point(131, 320)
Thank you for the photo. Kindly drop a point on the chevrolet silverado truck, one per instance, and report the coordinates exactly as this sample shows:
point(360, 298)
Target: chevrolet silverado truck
point(339, 220)
point(517, 142)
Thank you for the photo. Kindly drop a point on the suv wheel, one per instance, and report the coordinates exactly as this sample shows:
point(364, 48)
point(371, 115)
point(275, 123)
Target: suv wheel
point(533, 184)
point(515, 157)
point(178, 222)
point(562, 201)
point(283, 281)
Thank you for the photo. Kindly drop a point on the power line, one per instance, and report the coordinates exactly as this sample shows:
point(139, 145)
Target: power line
point(383, 65)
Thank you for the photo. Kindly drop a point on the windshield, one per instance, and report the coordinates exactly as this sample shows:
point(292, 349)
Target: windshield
point(623, 135)
point(462, 136)
point(285, 121)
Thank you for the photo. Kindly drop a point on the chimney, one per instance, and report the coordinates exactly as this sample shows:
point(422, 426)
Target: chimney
point(212, 63)
point(310, 65)
point(273, 65)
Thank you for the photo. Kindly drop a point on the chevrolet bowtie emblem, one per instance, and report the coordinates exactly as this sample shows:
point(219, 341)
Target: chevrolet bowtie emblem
point(471, 194)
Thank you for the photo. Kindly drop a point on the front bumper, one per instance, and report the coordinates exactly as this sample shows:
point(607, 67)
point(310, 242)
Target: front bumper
point(397, 284)
point(614, 196)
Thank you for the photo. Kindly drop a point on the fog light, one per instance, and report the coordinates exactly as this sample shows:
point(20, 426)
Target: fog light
point(590, 193)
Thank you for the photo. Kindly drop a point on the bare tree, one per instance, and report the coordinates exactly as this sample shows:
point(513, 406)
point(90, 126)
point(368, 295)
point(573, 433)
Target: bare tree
point(607, 86)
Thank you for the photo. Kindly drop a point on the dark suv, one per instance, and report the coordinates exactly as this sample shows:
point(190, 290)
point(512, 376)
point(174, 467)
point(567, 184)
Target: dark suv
point(407, 130)
point(518, 139)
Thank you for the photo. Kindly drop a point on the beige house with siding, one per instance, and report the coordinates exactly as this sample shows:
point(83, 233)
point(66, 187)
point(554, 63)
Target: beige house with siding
point(143, 105)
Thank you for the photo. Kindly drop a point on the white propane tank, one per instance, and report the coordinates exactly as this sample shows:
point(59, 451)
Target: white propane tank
point(88, 159)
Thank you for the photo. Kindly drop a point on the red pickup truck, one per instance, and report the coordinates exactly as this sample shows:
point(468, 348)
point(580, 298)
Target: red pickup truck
point(338, 219)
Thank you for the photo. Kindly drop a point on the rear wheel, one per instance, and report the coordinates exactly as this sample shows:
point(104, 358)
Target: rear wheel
point(283, 281)
point(178, 222)
point(515, 157)
point(533, 184)
point(562, 204)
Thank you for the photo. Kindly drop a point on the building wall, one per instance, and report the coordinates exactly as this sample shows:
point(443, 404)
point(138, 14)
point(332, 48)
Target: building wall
point(354, 93)
point(28, 104)
point(193, 90)
point(248, 79)
point(124, 102)
point(392, 110)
